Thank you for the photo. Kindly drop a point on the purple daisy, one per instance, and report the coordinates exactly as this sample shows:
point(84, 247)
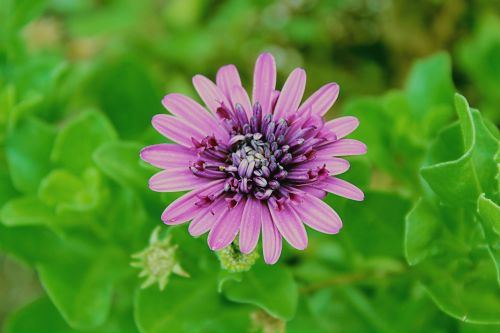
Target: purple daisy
point(259, 165)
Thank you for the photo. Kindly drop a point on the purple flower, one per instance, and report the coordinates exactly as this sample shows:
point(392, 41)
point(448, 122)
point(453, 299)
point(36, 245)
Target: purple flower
point(253, 165)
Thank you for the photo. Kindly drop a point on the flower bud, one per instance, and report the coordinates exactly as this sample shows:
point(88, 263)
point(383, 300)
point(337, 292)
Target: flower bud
point(158, 261)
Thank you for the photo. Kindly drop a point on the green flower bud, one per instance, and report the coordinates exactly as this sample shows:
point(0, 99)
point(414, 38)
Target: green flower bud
point(232, 260)
point(158, 261)
point(263, 322)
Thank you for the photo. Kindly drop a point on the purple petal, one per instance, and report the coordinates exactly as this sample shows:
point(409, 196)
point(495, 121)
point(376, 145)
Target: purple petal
point(228, 77)
point(318, 215)
point(271, 238)
point(195, 114)
point(240, 96)
point(184, 209)
point(167, 155)
point(291, 94)
point(211, 95)
point(289, 226)
point(342, 188)
point(264, 81)
point(322, 100)
point(226, 227)
point(173, 180)
point(250, 225)
point(176, 129)
point(342, 126)
point(343, 147)
point(206, 218)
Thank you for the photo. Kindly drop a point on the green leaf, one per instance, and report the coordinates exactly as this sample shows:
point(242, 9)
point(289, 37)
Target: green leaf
point(39, 316)
point(188, 305)
point(76, 142)
point(462, 180)
point(16, 13)
point(27, 149)
point(270, 287)
point(67, 192)
point(26, 211)
point(128, 95)
point(120, 161)
point(386, 227)
point(489, 213)
point(430, 86)
point(93, 270)
point(422, 229)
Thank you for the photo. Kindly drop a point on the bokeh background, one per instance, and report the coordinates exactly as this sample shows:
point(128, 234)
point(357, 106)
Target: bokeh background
point(80, 81)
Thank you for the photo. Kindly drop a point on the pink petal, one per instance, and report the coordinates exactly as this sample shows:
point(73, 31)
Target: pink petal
point(322, 100)
point(318, 215)
point(228, 77)
point(264, 81)
point(167, 155)
point(206, 218)
point(173, 180)
point(250, 225)
point(211, 95)
point(334, 165)
point(240, 96)
point(226, 227)
point(291, 94)
point(271, 238)
point(342, 188)
point(343, 147)
point(289, 226)
point(183, 209)
point(176, 129)
point(342, 126)
point(315, 191)
point(195, 114)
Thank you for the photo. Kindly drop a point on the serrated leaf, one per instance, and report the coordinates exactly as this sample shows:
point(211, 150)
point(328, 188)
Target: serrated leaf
point(461, 181)
point(272, 288)
point(489, 213)
point(73, 152)
point(27, 150)
point(120, 161)
point(188, 305)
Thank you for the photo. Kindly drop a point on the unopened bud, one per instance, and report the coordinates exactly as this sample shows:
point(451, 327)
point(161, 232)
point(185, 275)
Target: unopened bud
point(233, 260)
point(158, 261)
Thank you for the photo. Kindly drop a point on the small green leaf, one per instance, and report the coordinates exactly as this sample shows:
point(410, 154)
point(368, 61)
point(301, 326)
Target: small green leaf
point(490, 218)
point(270, 287)
point(27, 149)
point(462, 180)
point(120, 161)
point(67, 192)
point(76, 142)
point(26, 211)
point(422, 229)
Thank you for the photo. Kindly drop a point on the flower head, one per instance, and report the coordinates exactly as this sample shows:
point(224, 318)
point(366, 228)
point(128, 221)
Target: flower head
point(158, 261)
point(259, 165)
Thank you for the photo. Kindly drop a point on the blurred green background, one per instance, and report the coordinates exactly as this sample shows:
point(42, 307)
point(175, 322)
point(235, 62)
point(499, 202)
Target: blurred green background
point(80, 81)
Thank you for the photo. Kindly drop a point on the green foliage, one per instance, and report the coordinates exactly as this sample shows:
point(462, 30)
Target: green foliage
point(445, 237)
point(80, 81)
